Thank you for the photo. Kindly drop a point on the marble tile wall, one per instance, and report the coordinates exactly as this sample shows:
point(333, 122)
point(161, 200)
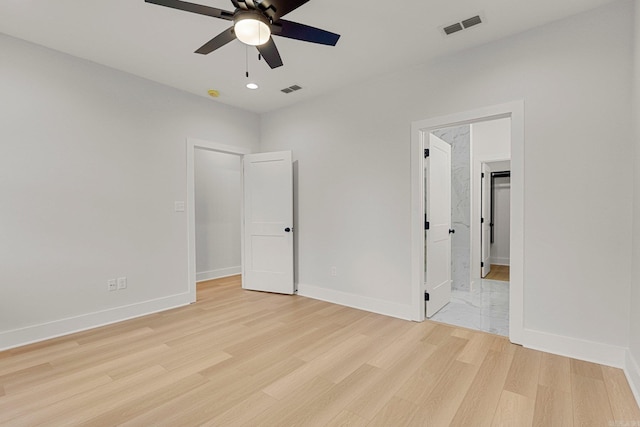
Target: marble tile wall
point(460, 140)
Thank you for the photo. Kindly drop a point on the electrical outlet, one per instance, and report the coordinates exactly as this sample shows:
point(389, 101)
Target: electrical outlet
point(122, 283)
point(334, 271)
point(112, 285)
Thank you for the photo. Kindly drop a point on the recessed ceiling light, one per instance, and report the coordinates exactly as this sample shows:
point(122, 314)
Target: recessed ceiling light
point(213, 93)
point(252, 86)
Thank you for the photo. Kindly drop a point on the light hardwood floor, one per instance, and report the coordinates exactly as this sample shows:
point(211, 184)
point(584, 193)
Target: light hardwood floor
point(498, 272)
point(249, 358)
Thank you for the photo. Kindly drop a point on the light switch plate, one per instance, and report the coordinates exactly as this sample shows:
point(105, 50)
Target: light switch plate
point(178, 206)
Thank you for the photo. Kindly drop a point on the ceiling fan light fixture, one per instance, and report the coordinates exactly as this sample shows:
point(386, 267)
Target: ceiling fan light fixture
point(252, 28)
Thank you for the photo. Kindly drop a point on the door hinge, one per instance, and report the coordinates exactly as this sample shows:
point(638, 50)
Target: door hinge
point(426, 296)
point(481, 264)
point(426, 153)
point(482, 175)
point(426, 223)
point(481, 220)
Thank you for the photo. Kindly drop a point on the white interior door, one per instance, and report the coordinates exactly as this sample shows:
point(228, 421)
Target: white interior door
point(438, 216)
point(268, 222)
point(485, 221)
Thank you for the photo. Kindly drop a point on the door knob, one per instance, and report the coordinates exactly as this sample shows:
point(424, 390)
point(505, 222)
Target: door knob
point(288, 229)
point(451, 231)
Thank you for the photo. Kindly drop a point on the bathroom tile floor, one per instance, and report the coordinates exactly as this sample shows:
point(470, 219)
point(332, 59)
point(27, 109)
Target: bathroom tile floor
point(485, 308)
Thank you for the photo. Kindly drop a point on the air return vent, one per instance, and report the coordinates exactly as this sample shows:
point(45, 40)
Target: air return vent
point(475, 20)
point(290, 89)
point(462, 25)
point(453, 28)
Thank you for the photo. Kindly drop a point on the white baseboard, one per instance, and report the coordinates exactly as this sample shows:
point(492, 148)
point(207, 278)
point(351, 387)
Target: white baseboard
point(44, 331)
point(632, 372)
point(499, 261)
point(401, 311)
point(218, 274)
point(590, 351)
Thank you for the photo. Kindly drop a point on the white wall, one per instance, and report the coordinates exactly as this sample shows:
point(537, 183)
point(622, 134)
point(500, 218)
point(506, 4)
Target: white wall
point(490, 141)
point(501, 221)
point(91, 162)
point(218, 191)
point(633, 359)
point(354, 176)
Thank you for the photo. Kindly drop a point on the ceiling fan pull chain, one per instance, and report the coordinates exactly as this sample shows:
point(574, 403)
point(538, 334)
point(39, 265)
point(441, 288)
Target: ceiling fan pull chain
point(246, 57)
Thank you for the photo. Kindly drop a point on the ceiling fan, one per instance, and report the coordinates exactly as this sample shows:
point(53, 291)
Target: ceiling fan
point(254, 22)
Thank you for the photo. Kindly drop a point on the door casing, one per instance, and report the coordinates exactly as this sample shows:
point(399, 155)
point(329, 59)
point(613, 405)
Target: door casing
point(419, 131)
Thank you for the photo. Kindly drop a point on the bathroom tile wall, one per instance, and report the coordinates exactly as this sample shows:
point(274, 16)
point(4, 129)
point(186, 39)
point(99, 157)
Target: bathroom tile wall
point(460, 140)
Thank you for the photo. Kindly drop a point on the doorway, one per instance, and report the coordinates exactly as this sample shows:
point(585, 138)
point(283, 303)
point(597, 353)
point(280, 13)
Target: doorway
point(496, 199)
point(483, 305)
point(265, 217)
point(420, 132)
point(218, 196)
point(213, 227)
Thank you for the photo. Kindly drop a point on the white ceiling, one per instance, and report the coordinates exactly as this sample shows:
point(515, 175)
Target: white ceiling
point(377, 37)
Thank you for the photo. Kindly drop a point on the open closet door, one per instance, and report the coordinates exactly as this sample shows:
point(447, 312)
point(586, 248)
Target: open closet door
point(485, 221)
point(268, 222)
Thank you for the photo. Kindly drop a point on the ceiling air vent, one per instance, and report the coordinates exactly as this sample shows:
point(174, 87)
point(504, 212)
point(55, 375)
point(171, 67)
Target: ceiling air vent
point(462, 25)
point(290, 89)
point(452, 28)
point(472, 21)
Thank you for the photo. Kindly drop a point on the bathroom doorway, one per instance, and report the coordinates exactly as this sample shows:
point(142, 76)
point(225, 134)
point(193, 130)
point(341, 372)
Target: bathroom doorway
point(492, 138)
point(477, 301)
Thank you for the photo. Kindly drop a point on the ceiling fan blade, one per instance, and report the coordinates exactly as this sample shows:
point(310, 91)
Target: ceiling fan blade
point(240, 4)
point(293, 30)
point(270, 53)
point(217, 42)
point(281, 7)
point(194, 8)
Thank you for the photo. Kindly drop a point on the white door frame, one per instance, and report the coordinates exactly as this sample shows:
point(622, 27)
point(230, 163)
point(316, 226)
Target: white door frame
point(419, 130)
point(194, 144)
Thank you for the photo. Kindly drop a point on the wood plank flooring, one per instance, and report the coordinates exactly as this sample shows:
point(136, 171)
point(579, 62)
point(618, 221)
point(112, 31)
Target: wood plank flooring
point(498, 272)
point(239, 358)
